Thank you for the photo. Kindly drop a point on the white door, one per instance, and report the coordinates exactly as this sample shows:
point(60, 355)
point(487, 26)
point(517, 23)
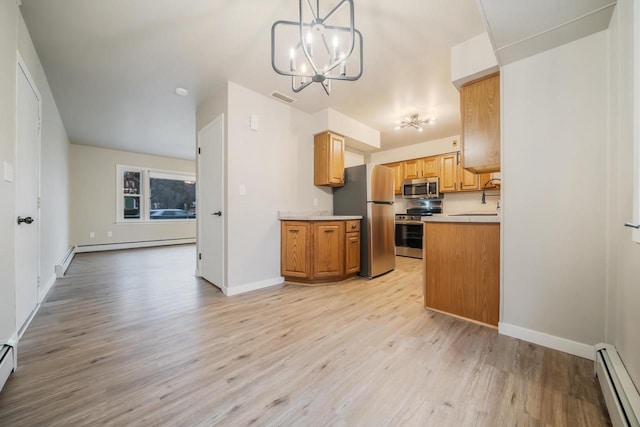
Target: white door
point(27, 192)
point(210, 202)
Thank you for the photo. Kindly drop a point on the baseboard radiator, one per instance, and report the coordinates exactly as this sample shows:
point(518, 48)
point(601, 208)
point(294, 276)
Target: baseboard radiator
point(620, 394)
point(6, 363)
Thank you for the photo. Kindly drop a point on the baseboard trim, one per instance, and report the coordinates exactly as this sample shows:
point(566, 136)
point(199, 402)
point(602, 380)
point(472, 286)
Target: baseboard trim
point(62, 266)
point(42, 293)
point(133, 245)
point(262, 284)
point(557, 343)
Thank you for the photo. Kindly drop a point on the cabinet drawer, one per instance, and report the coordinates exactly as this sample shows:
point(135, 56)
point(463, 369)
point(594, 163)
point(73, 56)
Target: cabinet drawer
point(353, 225)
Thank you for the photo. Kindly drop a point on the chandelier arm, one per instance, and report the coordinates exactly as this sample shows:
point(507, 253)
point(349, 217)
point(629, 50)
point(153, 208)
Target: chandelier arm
point(335, 9)
point(325, 88)
point(314, 13)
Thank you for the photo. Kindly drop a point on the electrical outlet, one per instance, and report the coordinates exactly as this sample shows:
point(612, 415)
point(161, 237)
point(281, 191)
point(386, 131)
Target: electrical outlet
point(109, 234)
point(92, 235)
point(242, 190)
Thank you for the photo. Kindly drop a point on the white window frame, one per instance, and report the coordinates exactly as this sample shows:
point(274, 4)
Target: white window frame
point(145, 178)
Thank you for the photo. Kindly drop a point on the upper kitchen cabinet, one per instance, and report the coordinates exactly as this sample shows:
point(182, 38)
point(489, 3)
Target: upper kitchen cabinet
point(328, 154)
point(430, 167)
point(398, 175)
point(449, 172)
point(480, 111)
point(413, 169)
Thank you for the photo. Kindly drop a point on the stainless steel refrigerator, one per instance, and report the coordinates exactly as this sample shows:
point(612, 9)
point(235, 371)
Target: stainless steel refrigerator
point(369, 191)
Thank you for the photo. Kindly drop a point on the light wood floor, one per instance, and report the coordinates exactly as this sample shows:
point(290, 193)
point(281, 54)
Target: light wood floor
point(132, 338)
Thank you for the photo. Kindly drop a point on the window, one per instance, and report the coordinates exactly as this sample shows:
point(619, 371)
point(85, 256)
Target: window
point(148, 195)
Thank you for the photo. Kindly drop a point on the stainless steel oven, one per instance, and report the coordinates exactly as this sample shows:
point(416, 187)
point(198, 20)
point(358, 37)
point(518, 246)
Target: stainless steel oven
point(409, 235)
point(409, 226)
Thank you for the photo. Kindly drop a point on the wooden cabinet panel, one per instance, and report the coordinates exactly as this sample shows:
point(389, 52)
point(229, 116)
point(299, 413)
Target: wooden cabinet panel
point(413, 169)
point(430, 167)
point(328, 158)
point(352, 226)
point(469, 181)
point(352, 253)
point(493, 185)
point(462, 270)
point(480, 111)
point(449, 173)
point(328, 248)
point(398, 174)
point(295, 249)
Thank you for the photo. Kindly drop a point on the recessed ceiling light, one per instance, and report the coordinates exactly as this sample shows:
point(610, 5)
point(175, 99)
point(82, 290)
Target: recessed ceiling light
point(180, 91)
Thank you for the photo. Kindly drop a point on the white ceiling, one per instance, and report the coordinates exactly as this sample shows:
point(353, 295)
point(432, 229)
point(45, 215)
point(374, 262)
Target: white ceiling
point(113, 65)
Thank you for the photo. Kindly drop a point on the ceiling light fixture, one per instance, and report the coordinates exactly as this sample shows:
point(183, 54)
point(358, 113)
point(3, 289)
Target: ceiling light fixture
point(415, 122)
point(315, 48)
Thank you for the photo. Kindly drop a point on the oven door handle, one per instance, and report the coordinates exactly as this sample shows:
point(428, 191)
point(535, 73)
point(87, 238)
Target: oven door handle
point(409, 222)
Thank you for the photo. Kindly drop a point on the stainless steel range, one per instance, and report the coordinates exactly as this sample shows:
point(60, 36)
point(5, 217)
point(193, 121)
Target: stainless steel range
point(409, 227)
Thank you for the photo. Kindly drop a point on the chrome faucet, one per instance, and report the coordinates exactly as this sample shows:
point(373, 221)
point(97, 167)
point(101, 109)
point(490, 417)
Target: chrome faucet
point(484, 190)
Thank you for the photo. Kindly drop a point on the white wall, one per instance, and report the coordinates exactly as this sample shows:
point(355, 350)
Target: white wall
point(93, 201)
point(54, 171)
point(623, 285)
point(353, 157)
point(554, 148)
point(275, 165)
point(54, 221)
point(8, 44)
point(415, 151)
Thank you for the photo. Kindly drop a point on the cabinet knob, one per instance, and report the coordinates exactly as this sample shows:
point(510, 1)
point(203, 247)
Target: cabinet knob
point(353, 226)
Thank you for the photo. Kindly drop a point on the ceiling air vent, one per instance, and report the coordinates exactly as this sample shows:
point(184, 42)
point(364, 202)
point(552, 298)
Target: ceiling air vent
point(282, 97)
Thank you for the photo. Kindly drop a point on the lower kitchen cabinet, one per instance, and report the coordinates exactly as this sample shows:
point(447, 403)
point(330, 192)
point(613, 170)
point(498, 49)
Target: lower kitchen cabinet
point(296, 237)
point(320, 251)
point(462, 269)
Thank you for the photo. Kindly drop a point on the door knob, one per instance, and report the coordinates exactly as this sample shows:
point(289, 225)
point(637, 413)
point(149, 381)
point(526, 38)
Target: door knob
point(28, 220)
point(219, 213)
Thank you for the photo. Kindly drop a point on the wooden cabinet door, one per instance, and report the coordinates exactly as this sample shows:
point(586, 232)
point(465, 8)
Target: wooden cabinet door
point(328, 159)
point(449, 173)
point(480, 111)
point(469, 181)
point(328, 249)
point(398, 173)
point(294, 259)
point(413, 169)
point(352, 253)
point(430, 167)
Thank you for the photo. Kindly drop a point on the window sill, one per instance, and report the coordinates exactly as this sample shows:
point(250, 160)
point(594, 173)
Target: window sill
point(160, 221)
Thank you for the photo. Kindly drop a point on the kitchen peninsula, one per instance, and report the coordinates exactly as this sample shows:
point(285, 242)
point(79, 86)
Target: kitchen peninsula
point(461, 261)
point(319, 248)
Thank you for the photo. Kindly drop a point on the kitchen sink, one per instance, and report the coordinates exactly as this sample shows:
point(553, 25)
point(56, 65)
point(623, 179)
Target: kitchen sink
point(474, 214)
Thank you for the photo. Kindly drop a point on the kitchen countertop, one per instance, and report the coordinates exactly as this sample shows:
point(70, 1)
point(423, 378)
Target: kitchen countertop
point(462, 218)
point(314, 216)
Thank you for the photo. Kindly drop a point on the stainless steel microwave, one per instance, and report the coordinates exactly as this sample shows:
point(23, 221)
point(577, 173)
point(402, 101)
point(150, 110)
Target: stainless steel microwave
point(424, 188)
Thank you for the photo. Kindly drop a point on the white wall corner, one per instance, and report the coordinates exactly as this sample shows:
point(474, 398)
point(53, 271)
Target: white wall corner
point(472, 59)
point(248, 287)
point(551, 341)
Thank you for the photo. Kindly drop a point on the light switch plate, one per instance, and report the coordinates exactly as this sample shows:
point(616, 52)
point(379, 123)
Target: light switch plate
point(254, 122)
point(7, 171)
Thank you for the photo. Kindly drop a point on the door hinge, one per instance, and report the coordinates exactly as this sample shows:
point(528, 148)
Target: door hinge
point(38, 202)
point(198, 150)
point(199, 256)
point(38, 280)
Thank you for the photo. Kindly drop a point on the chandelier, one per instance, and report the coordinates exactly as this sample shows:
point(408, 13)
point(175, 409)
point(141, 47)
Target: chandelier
point(317, 48)
point(415, 122)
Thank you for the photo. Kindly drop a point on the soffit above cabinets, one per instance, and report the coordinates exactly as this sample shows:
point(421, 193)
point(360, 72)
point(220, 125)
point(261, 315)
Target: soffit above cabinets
point(522, 28)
